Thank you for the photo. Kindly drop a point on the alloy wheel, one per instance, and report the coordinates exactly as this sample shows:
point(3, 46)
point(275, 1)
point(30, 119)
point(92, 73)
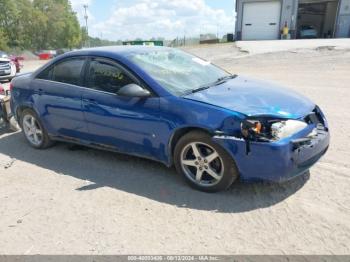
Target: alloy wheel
point(202, 164)
point(32, 130)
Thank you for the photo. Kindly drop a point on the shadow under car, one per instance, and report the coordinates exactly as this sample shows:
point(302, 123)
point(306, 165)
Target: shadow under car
point(144, 177)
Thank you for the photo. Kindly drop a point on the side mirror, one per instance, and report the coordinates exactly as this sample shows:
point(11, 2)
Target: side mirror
point(133, 90)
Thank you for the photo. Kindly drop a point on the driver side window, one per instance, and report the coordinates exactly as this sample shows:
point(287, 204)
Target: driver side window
point(105, 76)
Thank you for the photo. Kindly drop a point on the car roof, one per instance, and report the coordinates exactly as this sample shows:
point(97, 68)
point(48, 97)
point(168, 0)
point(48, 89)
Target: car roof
point(123, 51)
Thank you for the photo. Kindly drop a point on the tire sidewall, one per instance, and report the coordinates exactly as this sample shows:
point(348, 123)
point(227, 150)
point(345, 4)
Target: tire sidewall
point(45, 141)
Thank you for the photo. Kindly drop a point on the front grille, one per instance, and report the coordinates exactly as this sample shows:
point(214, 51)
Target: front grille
point(313, 160)
point(5, 65)
point(5, 68)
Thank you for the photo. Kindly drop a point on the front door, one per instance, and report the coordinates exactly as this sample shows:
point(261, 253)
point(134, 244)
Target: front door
point(123, 123)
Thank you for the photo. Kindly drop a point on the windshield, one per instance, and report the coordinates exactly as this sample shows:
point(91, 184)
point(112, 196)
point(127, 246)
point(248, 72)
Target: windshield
point(177, 71)
point(3, 55)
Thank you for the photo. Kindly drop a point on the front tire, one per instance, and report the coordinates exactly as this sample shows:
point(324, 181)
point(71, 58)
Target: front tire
point(205, 165)
point(33, 130)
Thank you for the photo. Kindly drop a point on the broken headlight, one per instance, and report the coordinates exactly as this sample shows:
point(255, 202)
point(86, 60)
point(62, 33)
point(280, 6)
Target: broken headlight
point(265, 130)
point(269, 130)
point(283, 129)
point(254, 130)
point(251, 127)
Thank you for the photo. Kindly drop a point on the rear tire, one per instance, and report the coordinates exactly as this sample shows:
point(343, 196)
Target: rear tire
point(205, 165)
point(34, 131)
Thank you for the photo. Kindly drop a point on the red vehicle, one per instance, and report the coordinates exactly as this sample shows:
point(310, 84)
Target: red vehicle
point(46, 54)
point(16, 60)
point(2, 90)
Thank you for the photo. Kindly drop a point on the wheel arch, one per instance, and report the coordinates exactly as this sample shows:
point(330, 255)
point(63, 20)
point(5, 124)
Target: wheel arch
point(19, 111)
point(176, 136)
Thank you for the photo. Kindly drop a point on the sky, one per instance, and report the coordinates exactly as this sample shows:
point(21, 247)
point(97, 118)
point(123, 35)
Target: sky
point(131, 19)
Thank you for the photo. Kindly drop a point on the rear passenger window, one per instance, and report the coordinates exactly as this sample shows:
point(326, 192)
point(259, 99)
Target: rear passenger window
point(46, 74)
point(69, 71)
point(106, 76)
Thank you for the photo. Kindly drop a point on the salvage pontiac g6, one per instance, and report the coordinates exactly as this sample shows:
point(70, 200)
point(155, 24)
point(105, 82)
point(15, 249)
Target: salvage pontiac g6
point(173, 107)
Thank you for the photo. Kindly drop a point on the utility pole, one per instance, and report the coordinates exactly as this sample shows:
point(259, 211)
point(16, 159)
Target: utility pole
point(185, 37)
point(217, 30)
point(87, 42)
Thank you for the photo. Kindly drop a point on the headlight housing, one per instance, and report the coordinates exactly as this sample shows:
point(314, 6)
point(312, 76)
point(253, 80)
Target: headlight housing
point(266, 130)
point(283, 129)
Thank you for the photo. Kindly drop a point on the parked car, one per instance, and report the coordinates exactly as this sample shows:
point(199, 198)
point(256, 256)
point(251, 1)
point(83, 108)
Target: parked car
point(308, 32)
point(15, 59)
point(175, 108)
point(7, 67)
point(46, 54)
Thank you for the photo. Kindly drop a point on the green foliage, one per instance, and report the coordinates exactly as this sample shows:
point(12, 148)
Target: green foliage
point(38, 24)
point(95, 41)
point(3, 41)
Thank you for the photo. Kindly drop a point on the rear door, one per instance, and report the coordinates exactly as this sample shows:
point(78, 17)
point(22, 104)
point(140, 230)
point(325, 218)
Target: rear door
point(127, 124)
point(57, 98)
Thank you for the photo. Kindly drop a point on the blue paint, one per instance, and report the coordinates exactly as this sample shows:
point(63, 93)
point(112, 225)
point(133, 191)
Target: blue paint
point(255, 98)
point(146, 126)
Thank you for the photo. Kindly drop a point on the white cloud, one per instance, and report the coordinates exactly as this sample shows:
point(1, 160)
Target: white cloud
point(163, 18)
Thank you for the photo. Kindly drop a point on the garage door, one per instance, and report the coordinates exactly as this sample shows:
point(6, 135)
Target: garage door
point(261, 20)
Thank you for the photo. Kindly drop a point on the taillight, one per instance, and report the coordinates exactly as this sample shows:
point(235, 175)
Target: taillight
point(11, 87)
point(2, 90)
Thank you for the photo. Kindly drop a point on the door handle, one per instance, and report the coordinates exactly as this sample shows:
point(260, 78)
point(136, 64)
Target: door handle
point(248, 24)
point(272, 23)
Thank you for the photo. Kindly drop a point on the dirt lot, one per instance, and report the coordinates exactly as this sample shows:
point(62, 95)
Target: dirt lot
point(67, 200)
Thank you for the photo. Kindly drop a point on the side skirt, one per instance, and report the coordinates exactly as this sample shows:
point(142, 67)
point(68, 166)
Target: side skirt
point(102, 147)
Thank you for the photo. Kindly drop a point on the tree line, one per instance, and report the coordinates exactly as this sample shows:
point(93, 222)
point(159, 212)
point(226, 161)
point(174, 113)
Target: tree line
point(38, 25)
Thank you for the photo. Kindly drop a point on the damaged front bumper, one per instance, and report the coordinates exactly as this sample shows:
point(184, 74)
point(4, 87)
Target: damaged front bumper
point(278, 161)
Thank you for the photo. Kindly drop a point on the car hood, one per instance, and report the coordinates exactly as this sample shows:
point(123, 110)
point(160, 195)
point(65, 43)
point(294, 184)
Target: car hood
point(255, 98)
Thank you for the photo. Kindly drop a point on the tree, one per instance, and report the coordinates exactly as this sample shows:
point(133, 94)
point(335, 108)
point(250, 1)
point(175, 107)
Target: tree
point(3, 41)
point(39, 24)
point(9, 20)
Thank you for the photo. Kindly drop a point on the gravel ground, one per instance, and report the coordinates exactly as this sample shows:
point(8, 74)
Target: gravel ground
point(71, 200)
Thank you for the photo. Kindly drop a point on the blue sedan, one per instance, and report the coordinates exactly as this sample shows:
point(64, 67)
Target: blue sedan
point(173, 107)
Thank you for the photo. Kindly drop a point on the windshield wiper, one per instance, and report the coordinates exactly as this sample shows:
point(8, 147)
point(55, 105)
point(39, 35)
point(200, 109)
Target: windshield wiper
point(225, 78)
point(217, 82)
point(200, 89)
